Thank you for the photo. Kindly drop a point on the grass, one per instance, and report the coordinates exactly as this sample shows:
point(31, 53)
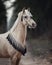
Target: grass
point(39, 46)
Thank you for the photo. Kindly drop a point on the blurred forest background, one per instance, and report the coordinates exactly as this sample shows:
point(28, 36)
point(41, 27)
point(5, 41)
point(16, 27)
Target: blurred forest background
point(40, 39)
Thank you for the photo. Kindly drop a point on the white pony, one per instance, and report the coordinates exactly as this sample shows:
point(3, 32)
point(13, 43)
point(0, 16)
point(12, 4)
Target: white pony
point(19, 33)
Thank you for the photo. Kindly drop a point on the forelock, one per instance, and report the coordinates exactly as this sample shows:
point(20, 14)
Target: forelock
point(28, 13)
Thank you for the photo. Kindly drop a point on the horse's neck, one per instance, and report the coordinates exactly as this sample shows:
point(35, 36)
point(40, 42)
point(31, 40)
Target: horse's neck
point(14, 26)
point(20, 32)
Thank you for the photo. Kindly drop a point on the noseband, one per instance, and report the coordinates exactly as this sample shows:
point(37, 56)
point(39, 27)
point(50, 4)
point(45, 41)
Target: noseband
point(16, 45)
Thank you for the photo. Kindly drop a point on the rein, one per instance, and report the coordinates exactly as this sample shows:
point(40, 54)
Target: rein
point(16, 45)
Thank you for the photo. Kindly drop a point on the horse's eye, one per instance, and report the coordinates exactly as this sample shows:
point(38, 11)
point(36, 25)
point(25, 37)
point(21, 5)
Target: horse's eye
point(25, 16)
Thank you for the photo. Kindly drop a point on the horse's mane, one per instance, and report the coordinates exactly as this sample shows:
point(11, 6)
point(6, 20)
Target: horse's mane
point(15, 24)
point(17, 20)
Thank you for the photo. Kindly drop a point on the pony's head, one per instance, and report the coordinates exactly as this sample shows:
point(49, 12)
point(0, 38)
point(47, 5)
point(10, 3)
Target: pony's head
point(26, 18)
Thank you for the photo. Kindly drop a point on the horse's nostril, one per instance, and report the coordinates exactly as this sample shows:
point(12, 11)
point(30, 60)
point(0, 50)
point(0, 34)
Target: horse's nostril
point(33, 24)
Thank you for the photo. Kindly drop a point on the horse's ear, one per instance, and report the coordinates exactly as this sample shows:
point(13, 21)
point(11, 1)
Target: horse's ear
point(23, 9)
point(28, 9)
